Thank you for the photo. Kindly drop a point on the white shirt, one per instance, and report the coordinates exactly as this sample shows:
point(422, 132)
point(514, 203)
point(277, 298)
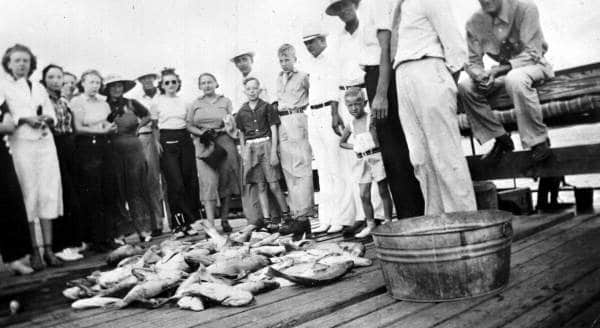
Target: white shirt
point(240, 96)
point(24, 102)
point(148, 102)
point(171, 112)
point(428, 28)
point(350, 50)
point(323, 76)
point(374, 15)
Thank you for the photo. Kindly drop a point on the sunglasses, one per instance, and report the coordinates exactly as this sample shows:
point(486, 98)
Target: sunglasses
point(169, 82)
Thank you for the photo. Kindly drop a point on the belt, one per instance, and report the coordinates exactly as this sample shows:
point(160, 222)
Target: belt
point(143, 133)
point(368, 152)
point(258, 140)
point(321, 105)
point(346, 87)
point(295, 110)
point(93, 139)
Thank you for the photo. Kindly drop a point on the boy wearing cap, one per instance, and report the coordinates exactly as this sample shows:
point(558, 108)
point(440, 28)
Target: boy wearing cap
point(258, 123)
point(294, 148)
point(370, 163)
point(376, 18)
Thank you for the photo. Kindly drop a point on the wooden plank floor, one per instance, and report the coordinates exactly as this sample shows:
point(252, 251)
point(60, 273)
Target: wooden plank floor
point(555, 281)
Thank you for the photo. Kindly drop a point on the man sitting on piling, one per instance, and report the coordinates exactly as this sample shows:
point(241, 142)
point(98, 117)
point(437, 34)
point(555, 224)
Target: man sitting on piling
point(509, 32)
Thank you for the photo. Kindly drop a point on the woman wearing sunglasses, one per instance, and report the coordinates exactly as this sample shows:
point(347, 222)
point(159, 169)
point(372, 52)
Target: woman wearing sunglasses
point(177, 161)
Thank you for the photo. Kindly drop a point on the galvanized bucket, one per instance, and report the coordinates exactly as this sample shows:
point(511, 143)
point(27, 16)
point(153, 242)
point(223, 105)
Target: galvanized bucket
point(445, 257)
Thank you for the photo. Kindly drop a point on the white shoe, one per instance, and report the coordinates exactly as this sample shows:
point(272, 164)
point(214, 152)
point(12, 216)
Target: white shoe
point(69, 254)
point(335, 229)
point(364, 232)
point(321, 229)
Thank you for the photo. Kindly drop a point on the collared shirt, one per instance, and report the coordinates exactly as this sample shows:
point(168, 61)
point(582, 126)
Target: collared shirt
point(428, 29)
point(240, 96)
point(209, 113)
point(292, 89)
point(26, 99)
point(350, 48)
point(323, 73)
point(93, 110)
point(147, 101)
point(171, 112)
point(64, 117)
point(256, 123)
point(514, 37)
point(374, 15)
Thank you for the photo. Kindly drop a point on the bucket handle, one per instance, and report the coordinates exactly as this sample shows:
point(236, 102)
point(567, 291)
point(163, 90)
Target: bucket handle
point(507, 230)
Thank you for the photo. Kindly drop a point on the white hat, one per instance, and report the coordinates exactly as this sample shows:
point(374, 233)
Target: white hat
point(312, 31)
point(334, 6)
point(241, 52)
point(127, 84)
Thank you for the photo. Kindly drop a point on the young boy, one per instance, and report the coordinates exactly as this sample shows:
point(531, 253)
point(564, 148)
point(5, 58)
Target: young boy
point(370, 163)
point(258, 122)
point(296, 154)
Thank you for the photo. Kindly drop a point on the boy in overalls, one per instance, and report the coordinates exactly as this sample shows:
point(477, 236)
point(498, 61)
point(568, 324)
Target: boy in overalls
point(370, 167)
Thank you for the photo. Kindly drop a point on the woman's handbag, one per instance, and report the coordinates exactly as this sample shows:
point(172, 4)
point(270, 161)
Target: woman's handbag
point(216, 155)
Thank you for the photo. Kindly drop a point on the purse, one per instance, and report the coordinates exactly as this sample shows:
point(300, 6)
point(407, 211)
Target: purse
point(216, 156)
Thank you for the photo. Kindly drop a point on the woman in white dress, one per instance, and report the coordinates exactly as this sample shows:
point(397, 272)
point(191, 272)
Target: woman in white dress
point(33, 150)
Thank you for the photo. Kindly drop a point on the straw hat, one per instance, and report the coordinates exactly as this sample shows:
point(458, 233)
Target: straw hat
point(334, 6)
point(111, 79)
point(154, 75)
point(241, 52)
point(313, 31)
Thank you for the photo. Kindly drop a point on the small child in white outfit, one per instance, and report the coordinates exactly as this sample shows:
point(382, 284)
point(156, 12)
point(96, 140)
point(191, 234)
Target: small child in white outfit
point(366, 147)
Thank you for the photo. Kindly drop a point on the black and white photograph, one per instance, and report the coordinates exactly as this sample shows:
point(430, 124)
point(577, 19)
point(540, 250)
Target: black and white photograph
point(288, 163)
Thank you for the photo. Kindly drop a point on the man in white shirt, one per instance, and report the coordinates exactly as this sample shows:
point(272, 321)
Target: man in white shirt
point(148, 135)
point(243, 60)
point(336, 204)
point(350, 48)
point(430, 54)
point(375, 19)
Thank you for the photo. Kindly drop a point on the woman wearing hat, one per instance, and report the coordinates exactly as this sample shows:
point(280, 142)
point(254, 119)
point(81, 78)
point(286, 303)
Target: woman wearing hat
point(33, 150)
point(130, 167)
point(92, 142)
point(210, 122)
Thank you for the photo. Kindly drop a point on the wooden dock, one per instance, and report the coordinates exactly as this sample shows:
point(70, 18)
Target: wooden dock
point(555, 282)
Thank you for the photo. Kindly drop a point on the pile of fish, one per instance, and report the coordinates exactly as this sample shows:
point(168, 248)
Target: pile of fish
point(226, 271)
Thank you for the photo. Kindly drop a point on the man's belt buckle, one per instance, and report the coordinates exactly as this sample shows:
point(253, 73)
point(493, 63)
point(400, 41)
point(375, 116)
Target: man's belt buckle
point(172, 142)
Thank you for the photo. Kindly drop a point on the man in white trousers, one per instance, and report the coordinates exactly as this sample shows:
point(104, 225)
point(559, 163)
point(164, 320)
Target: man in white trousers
point(430, 54)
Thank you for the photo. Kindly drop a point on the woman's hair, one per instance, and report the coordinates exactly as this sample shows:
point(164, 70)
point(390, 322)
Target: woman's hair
point(46, 70)
point(85, 74)
point(19, 48)
point(209, 75)
point(167, 72)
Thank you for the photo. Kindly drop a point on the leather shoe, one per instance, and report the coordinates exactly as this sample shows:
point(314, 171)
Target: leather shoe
point(541, 151)
point(502, 145)
point(322, 229)
point(350, 231)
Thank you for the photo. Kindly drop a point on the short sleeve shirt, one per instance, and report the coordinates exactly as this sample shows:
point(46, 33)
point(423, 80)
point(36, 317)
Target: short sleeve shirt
point(209, 113)
point(292, 89)
point(374, 15)
point(256, 123)
point(171, 112)
point(92, 111)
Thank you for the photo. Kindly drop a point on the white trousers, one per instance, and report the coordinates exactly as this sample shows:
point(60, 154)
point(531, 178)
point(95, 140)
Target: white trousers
point(427, 109)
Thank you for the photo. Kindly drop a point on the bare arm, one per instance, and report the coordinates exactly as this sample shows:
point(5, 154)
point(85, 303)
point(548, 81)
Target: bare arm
point(274, 145)
point(344, 140)
point(337, 124)
point(7, 125)
point(380, 102)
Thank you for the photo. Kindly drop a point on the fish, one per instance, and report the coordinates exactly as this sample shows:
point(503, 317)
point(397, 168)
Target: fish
point(191, 303)
point(75, 293)
point(257, 236)
point(269, 240)
point(219, 241)
point(357, 261)
point(119, 287)
point(147, 289)
point(238, 267)
point(258, 287)
point(352, 248)
point(198, 256)
point(176, 262)
point(223, 294)
point(132, 260)
point(94, 302)
point(123, 252)
point(207, 244)
point(193, 278)
point(109, 278)
point(312, 274)
point(269, 251)
point(151, 256)
point(291, 245)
